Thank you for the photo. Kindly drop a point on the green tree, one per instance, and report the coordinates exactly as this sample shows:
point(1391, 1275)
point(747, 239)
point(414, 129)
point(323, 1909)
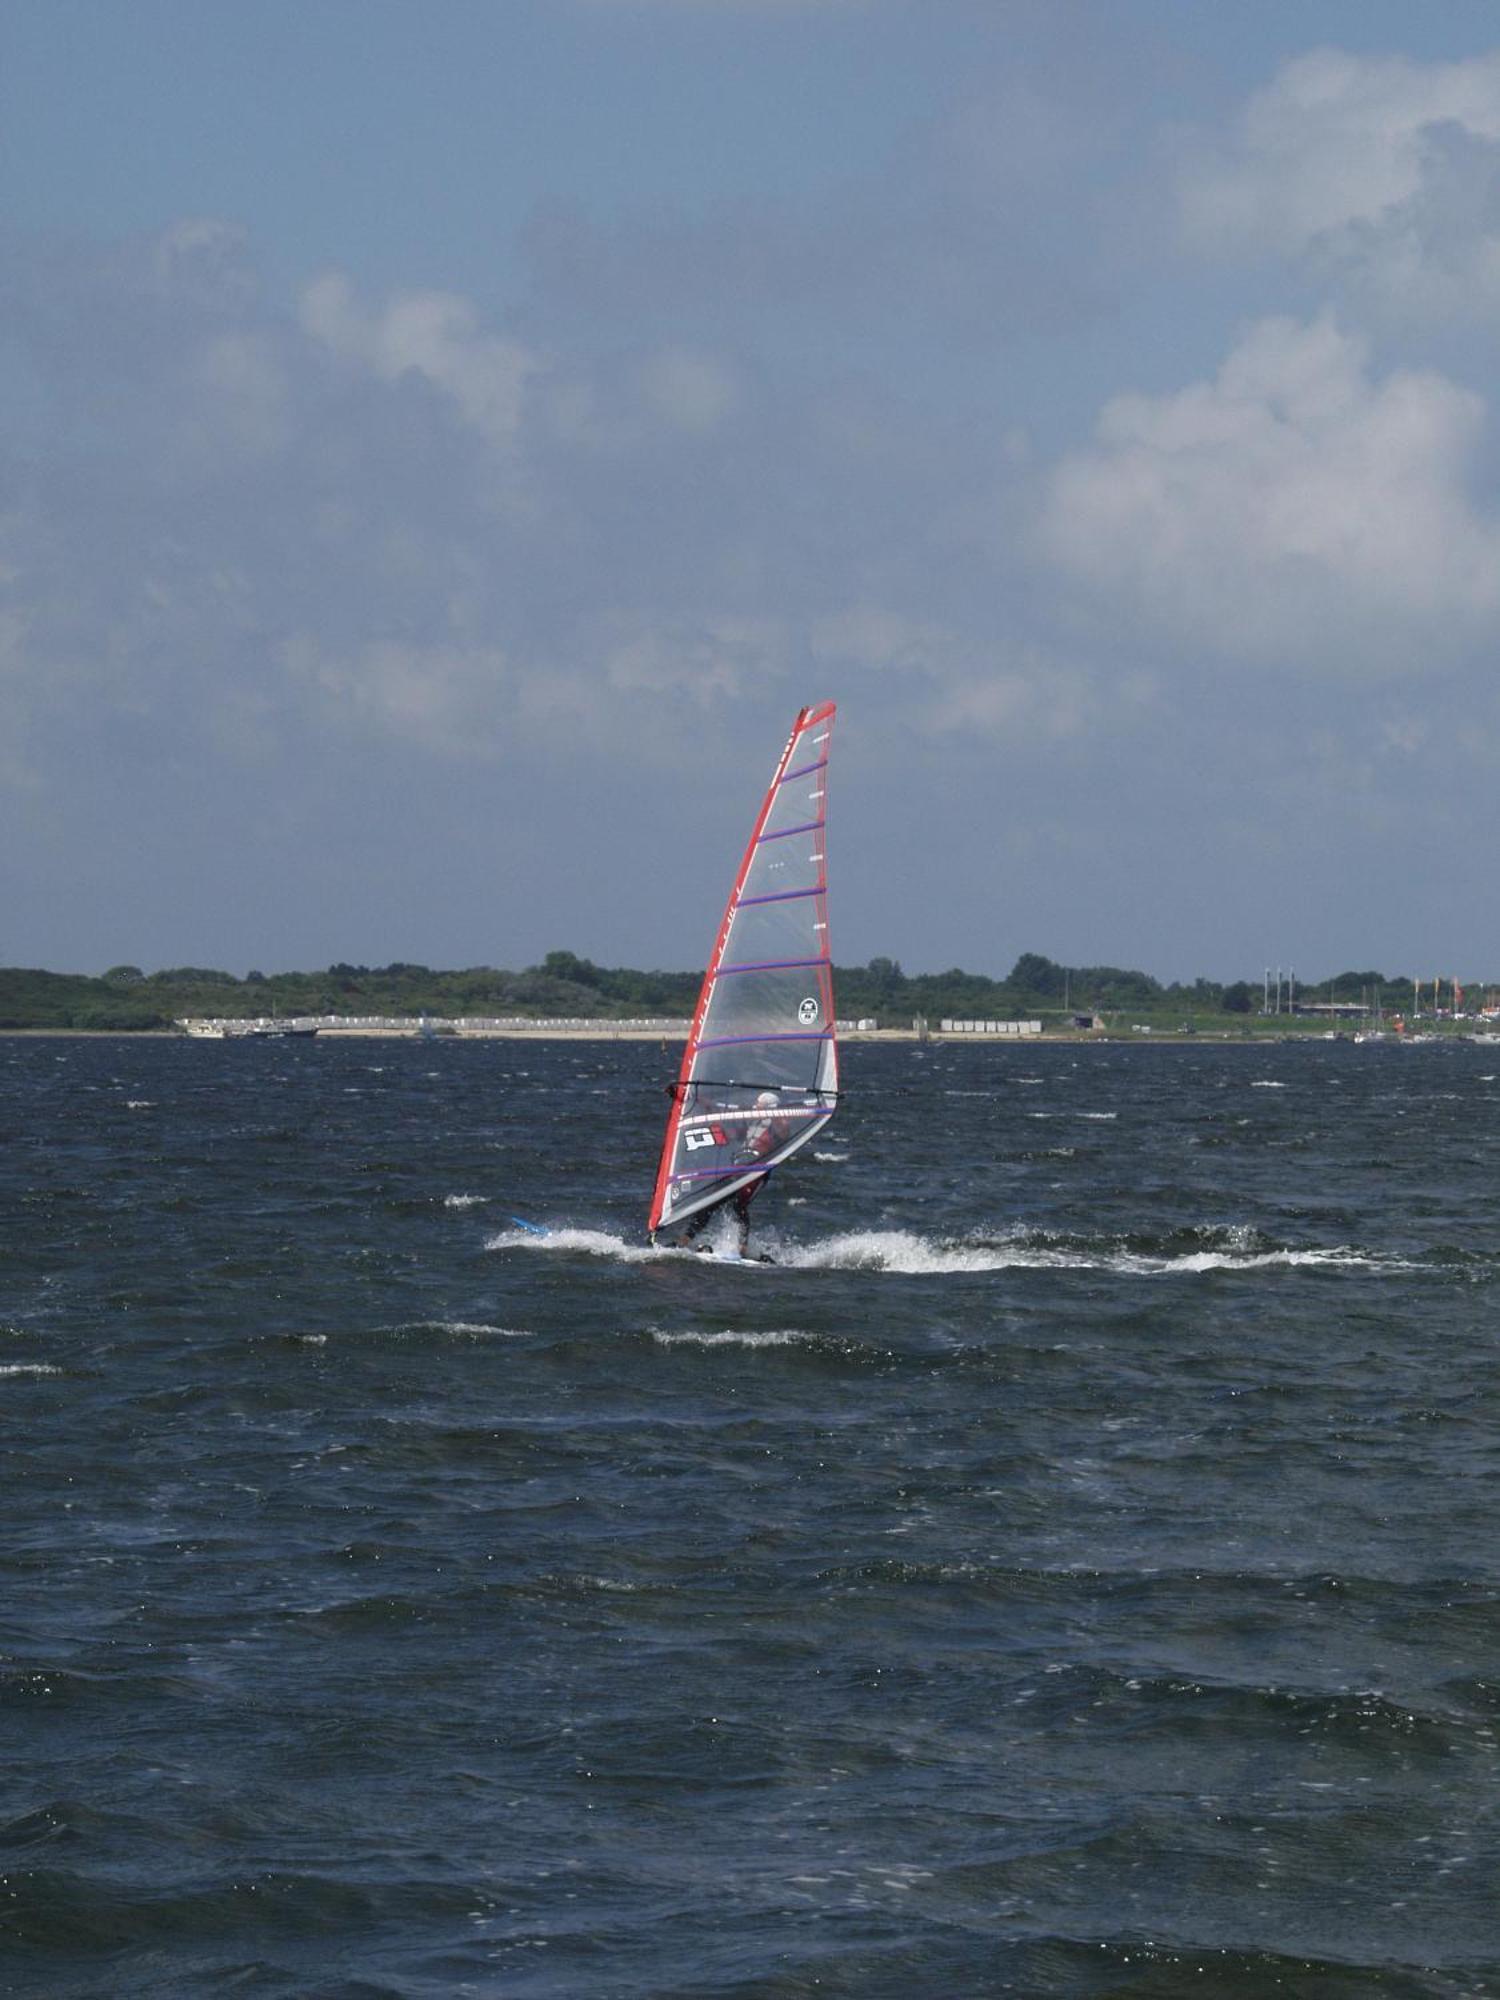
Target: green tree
point(1033, 974)
point(565, 965)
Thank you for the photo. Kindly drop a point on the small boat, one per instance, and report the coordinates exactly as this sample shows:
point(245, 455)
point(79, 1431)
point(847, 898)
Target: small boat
point(759, 1074)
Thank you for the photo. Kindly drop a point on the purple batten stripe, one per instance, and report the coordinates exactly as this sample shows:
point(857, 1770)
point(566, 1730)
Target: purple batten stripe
point(697, 1120)
point(786, 896)
point(723, 1173)
point(813, 826)
point(777, 965)
point(806, 771)
point(734, 1041)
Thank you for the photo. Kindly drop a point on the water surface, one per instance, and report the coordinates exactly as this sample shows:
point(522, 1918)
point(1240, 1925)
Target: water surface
point(1070, 1570)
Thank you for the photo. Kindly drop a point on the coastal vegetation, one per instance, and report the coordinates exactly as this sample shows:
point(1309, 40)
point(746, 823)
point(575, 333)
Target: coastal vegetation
point(565, 986)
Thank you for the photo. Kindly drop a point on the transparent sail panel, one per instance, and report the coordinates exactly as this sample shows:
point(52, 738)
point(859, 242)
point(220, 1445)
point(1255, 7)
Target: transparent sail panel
point(798, 802)
point(783, 862)
point(765, 1002)
point(765, 932)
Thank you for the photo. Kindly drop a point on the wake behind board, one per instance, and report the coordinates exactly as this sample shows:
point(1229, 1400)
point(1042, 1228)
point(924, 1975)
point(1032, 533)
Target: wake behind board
point(709, 1255)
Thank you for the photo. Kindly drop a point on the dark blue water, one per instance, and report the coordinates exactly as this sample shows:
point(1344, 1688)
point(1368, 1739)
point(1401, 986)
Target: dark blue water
point(1071, 1570)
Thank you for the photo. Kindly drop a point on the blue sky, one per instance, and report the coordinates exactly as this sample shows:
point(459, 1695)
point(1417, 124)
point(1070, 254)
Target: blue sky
point(441, 446)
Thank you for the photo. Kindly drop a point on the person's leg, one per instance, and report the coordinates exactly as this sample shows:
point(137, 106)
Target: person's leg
point(699, 1223)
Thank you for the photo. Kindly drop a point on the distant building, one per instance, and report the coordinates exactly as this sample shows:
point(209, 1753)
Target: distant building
point(990, 1027)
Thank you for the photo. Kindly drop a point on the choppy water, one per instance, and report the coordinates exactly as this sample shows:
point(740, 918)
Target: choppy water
point(1072, 1570)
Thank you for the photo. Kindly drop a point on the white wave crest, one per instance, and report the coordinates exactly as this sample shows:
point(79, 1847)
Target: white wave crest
point(591, 1242)
point(904, 1253)
point(784, 1336)
point(478, 1329)
point(464, 1200)
point(829, 1155)
point(897, 1250)
point(28, 1368)
point(1345, 1258)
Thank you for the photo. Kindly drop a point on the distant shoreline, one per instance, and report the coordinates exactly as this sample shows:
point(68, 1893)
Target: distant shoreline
point(606, 1031)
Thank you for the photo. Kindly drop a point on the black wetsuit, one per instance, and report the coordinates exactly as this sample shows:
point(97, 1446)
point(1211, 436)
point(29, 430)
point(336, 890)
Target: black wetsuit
point(761, 1139)
point(740, 1201)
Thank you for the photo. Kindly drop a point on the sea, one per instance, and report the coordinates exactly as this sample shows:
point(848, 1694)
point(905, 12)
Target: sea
point(1072, 1568)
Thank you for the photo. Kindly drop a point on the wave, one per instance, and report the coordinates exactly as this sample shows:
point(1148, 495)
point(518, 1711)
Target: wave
point(474, 1329)
point(783, 1336)
point(587, 1242)
point(905, 1253)
point(464, 1200)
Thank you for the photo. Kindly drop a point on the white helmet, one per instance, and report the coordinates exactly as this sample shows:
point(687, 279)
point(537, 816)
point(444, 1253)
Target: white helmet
point(767, 1101)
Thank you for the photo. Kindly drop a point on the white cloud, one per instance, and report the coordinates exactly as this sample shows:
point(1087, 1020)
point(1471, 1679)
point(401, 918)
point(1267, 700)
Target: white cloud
point(444, 698)
point(1293, 508)
point(204, 261)
point(707, 659)
point(1030, 701)
point(958, 684)
point(435, 335)
point(1378, 165)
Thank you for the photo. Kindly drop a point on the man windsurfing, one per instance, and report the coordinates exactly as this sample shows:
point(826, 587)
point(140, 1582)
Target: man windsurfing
point(761, 1138)
point(765, 1011)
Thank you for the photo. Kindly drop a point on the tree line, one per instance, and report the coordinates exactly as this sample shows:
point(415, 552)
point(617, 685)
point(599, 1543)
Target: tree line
point(564, 985)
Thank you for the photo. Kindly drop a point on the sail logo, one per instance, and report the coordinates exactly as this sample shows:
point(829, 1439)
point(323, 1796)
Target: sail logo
point(807, 1013)
point(714, 1136)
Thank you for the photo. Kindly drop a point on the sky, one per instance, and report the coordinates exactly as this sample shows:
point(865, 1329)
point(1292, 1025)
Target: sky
point(443, 445)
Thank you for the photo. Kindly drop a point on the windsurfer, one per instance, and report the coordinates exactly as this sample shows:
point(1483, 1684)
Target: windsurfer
point(761, 1138)
point(759, 1075)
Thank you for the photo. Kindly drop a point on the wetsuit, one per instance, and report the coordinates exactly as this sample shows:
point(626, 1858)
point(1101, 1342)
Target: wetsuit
point(760, 1139)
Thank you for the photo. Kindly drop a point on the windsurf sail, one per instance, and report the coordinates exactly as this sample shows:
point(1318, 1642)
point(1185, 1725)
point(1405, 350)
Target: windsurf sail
point(764, 1025)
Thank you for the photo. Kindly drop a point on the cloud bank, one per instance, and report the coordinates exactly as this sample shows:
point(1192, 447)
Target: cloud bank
point(1294, 509)
point(372, 569)
point(1383, 171)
